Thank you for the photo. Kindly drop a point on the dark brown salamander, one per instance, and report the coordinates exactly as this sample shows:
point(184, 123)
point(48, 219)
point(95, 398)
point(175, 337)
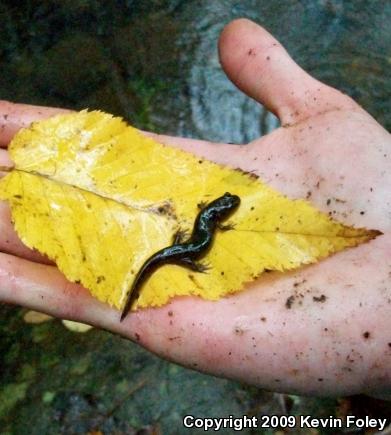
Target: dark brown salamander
point(186, 253)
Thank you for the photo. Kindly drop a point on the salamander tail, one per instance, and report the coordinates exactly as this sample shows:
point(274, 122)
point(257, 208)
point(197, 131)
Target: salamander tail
point(140, 278)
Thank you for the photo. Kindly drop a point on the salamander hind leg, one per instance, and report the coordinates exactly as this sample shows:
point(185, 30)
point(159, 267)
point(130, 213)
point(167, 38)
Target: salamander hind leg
point(180, 236)
point(196, 266)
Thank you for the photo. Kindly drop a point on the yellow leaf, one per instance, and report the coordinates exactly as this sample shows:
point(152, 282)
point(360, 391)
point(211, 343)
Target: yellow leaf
point(35, 317)
point(76, 326)
point(99, 198)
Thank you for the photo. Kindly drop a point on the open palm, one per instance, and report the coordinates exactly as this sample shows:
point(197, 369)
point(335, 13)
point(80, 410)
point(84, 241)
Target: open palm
point(323, 329)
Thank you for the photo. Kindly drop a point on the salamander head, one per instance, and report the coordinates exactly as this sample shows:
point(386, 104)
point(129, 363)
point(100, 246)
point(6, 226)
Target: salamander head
point(225, 205)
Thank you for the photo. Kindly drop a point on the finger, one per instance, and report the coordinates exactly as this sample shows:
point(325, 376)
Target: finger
point(225, 154)
point(40, 287)
point(5, 161)
point(44, 288)
point(15, 116)
point(258, 64)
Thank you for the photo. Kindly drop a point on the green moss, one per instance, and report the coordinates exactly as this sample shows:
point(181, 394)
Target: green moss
point(48, 397)
point(10, 395)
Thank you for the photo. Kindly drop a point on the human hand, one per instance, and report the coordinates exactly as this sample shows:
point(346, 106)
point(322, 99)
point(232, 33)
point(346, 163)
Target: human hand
point(328, 150)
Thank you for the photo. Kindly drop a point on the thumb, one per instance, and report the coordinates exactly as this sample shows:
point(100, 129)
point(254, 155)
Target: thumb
point(260, 66)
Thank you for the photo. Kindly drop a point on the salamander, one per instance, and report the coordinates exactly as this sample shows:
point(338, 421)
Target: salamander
point(185, 253)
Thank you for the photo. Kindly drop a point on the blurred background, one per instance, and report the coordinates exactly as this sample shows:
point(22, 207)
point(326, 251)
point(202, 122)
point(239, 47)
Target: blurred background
point(155, 63)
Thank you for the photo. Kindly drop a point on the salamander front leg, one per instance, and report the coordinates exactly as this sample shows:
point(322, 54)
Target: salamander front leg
point(201, 205)
point(227, 227)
